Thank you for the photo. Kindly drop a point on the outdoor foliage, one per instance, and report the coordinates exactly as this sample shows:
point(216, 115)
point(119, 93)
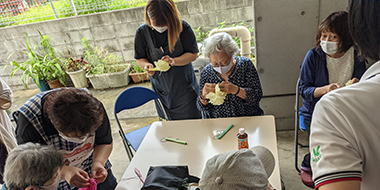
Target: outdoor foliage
point(64, 9)
point(42, 63)
point(136, 68)
point(100, 60)
point(202, 35)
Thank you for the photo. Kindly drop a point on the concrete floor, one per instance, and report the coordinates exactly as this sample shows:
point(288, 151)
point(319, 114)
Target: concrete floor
point(146, 114)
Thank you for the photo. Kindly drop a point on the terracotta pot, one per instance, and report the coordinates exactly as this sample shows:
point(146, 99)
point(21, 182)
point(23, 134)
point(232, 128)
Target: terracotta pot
point(139, 77)
point(55, 84)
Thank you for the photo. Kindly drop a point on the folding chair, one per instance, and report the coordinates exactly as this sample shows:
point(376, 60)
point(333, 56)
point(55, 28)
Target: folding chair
point(299, 125)
point(128, 99)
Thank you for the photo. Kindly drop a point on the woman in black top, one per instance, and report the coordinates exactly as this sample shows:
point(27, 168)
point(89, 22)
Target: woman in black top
point(165, 37)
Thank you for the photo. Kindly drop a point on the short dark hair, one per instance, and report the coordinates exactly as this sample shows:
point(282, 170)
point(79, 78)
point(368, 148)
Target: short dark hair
point(73, 110)
point(364, 25)
point(336, 22)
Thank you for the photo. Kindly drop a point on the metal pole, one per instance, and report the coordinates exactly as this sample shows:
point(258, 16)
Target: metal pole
point(73, 6)
point(52, 7)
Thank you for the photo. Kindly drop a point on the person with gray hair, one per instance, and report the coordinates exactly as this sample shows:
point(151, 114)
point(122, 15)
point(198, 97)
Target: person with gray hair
point(33, 166)
point(235, 77)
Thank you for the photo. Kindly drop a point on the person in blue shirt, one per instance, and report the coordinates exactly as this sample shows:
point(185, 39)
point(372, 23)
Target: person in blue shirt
point(236, 76)
point(331, 64)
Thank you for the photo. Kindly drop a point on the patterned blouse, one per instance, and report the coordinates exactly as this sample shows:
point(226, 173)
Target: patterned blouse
point(243, 75)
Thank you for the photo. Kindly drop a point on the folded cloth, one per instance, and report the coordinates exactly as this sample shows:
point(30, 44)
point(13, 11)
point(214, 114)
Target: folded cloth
point(92, 185)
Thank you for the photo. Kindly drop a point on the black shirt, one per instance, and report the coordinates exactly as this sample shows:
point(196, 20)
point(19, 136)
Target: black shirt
point(161, 40)
point(25, 132)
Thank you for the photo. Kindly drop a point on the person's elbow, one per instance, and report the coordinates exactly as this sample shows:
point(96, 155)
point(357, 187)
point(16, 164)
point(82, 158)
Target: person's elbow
point(193, 56)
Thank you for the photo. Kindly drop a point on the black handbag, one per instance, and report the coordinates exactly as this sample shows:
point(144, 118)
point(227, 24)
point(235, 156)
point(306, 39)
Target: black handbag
point(168, 178)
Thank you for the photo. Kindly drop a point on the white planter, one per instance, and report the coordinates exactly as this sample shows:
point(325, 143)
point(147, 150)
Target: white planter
point(110, 80)
point(79, 78)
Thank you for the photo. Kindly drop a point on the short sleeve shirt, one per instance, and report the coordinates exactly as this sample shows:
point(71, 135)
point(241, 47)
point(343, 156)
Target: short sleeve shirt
point(345, 133)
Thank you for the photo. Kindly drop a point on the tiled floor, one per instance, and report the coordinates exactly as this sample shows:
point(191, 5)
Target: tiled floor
point(146, 115)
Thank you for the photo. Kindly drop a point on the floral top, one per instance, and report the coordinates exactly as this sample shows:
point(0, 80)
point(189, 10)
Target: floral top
point(243, 75)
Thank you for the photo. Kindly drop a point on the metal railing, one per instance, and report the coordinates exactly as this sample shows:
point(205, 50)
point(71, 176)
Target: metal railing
point(15, 12)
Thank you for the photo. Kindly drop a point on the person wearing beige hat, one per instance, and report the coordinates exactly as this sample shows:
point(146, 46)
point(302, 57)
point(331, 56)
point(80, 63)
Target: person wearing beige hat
point(245, 169)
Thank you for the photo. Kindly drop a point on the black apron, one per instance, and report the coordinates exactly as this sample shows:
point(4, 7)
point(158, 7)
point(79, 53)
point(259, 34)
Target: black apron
point(177, 88)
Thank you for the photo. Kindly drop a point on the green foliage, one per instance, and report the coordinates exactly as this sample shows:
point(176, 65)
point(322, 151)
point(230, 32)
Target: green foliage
point(100, 60)
point(202, 35)
point(42, 62)
point(136, 68)
point(64, 9)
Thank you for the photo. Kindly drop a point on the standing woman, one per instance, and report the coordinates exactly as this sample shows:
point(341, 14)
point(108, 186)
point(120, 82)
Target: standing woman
point(164, 36)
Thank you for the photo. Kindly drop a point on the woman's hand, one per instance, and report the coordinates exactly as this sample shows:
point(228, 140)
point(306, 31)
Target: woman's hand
point(228, 87)
point(354, 80)
point(147, 67)
point(331, 87)
point(207, 88)
point(98, 172)
point(320, 91)
point(169, 60)
point(75, 176)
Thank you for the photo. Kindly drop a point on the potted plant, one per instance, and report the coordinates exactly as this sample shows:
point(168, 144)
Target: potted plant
point(42, 64)
point(138, 74)
point(76, 69)
point(105, 69)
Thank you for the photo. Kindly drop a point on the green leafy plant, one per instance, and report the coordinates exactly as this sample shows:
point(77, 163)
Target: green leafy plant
point(201, 35)
point(100, 60)
point(137, 69)
point(42, 62)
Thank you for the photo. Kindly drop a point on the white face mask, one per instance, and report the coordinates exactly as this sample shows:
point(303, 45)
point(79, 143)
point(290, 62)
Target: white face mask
point(328, 47)
point(54, 185)
point(224, 69)
point(160, 29)
point(74, 139)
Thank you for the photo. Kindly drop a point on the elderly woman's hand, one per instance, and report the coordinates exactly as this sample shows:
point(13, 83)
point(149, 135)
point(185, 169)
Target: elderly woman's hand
point(209, 87)
point(228, 87)
point(169, 60)
point(147, 67)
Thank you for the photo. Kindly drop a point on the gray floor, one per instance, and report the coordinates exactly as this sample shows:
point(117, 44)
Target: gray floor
point(143, 116)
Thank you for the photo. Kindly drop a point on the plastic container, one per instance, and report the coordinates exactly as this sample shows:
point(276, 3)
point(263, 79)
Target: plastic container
point(242, 138)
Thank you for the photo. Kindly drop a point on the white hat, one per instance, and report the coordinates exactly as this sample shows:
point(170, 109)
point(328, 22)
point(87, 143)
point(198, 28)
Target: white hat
point(238, 169)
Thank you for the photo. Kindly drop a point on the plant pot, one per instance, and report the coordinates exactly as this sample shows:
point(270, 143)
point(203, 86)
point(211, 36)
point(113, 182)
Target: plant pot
point(79, 78)
point(110, 80)
point(44, 86)
point(139, 77)
point(55, 84)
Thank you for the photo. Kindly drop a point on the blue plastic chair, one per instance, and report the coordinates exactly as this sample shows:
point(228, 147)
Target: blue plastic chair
point(299, 124)
point(128, 99)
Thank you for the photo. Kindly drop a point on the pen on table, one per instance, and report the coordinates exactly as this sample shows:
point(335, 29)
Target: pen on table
point(224, 132)
point(175, 140)
point(137, 171)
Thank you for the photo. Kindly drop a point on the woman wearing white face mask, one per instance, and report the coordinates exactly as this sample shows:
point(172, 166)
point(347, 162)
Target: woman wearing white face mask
point(236, 76)
point(33, 167)
point(330, 65)
point(76, 124)
point(164, 36)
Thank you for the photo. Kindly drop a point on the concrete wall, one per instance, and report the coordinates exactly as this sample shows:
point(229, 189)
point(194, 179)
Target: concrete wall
point(284, 32)
point(113, 30)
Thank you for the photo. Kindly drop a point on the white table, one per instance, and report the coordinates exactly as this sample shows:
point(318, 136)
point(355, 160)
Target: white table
point(200, 147)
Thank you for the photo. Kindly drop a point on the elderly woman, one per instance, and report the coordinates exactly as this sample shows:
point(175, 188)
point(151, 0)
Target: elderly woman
point(236, 76)
point(33, 166)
